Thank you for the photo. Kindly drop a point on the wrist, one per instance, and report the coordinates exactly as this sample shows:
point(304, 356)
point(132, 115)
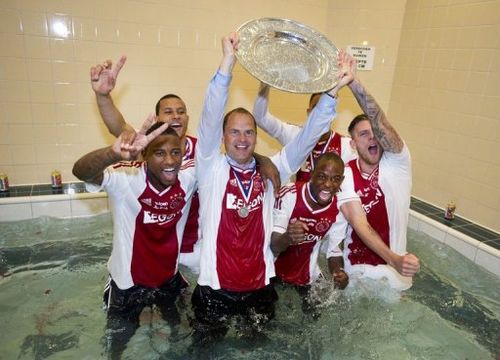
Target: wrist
point(332, 94)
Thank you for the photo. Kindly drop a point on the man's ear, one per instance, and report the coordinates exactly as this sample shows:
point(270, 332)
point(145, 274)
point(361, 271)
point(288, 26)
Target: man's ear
point(353, 144)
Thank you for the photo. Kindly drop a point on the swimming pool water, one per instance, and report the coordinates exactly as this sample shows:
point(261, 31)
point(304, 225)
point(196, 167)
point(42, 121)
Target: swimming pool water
point(52, 273)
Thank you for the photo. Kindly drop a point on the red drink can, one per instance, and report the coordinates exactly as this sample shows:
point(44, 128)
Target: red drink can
point(4, 182)
point(55, 179)
point(450, 211)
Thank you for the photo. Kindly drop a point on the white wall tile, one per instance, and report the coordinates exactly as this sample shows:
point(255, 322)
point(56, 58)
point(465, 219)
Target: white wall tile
point(462, 243)
point(488, 258)
point(88, 207)
point(14, 212)
point(60, 209)
point(434, 229)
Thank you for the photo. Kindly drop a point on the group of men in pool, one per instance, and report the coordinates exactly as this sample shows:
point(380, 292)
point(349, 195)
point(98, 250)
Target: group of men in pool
point(224, 214)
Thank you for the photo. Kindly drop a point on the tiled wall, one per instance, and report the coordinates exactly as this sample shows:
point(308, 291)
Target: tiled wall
point(446, 61)
point(47, 111)
point(445, 100)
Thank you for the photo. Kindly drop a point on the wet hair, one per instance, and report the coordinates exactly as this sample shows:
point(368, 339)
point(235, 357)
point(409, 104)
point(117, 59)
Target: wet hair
point(239, 110)
point(167, 131)
point(355, 121)
point(168, 96)
point(329, 156)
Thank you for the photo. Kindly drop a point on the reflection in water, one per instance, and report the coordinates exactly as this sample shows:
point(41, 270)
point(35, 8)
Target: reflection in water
point(41, 346)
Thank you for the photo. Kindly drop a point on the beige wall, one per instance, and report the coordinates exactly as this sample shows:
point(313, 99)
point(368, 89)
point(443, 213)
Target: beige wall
point(48, 116)
point(445, 102)
point(47, 111)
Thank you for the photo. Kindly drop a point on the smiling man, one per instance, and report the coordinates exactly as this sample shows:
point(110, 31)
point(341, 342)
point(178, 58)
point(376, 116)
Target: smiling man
point(305, 216)
point(169, 109)
point(236, 206)
point(149, 206)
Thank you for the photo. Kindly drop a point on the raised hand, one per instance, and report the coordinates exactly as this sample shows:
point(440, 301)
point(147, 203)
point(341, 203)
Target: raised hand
point(130, 151)
point(346, 71)
point(230, 44)
point(103, 76)
point(347, 68)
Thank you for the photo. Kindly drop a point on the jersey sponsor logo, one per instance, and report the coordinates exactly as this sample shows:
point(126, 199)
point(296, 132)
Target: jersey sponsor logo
point(312, 237)
point(161, 219)
point(175, 201)
point(309, 238)
point(233, 202)
point(371, 204)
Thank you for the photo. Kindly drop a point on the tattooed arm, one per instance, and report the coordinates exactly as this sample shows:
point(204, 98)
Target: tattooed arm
point(386, 135)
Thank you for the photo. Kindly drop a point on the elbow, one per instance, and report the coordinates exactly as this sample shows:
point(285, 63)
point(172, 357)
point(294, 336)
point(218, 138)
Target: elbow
point(77, 171)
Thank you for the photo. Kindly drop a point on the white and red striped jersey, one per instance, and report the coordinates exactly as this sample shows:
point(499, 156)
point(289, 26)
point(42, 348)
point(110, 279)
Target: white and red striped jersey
point(221, 205)
point(148, 224)
point(385, 197)
point(299, 263)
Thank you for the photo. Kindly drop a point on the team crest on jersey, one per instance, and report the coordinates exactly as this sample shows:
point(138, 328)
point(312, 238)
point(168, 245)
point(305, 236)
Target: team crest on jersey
point(322, 226)
point(174, 203)
point(233, 182)
point(374, 182)
point(257, 185)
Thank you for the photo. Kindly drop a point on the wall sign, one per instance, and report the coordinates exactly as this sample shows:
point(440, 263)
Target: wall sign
point(364, 55)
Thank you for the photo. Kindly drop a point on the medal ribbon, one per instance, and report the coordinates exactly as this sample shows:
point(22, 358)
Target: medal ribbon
point(245, 190)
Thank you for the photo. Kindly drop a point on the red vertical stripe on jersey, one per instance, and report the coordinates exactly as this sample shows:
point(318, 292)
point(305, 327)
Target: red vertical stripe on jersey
point(373, 201)
point(240, 241)
point(155, 248)
point(293, 265)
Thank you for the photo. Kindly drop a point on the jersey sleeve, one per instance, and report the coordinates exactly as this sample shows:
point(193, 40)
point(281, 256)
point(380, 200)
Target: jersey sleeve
point(347, 192)
point(116, 178)
point(283, 208)
point(210, 126)
point(335, 235)
point(281, 131)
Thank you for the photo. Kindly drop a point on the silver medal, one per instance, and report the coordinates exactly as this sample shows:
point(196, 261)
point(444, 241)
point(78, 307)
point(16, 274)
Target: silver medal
point(243, 212)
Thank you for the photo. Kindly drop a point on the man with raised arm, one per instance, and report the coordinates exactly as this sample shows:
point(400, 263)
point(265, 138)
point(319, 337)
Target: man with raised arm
point(236, 206)
point(405, 264)
point(382, 179)
point(149, 206)
point(170, 109)
point(330, 141)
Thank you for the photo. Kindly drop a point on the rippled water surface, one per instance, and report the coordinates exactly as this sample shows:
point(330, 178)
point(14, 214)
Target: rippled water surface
point(52, 273)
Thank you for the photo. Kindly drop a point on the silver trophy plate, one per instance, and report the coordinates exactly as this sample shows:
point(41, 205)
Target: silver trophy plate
point(287, 55)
